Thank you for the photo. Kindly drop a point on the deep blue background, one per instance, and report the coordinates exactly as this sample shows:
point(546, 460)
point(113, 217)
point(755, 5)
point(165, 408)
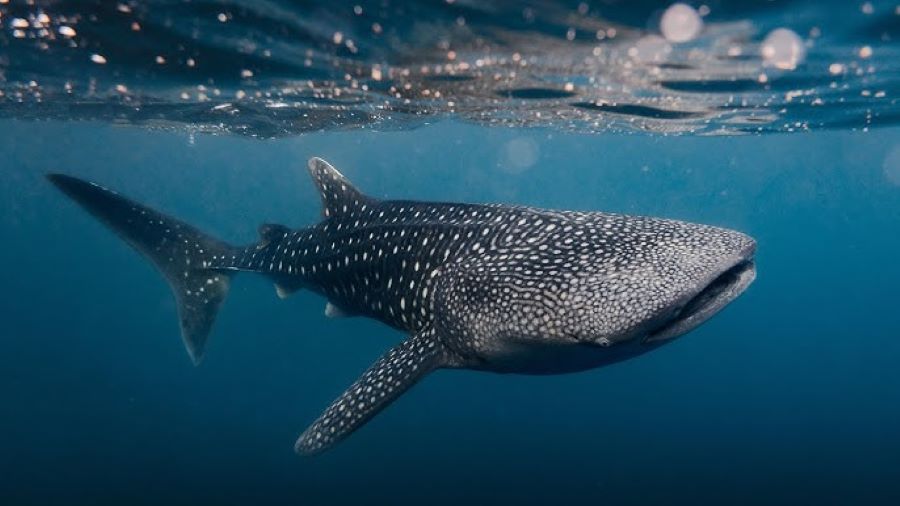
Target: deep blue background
point(791, 395)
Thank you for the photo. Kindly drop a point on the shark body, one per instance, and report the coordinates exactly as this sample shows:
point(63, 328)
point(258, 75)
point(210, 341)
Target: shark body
point(498, 288)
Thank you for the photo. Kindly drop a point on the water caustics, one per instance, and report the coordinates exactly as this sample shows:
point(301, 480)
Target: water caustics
point(270, 68)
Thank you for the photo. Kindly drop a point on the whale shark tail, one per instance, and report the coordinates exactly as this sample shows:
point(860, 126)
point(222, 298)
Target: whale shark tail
point(183, 254)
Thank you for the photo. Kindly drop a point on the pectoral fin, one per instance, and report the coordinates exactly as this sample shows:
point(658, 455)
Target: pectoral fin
point(394, 373)
point(333, 311)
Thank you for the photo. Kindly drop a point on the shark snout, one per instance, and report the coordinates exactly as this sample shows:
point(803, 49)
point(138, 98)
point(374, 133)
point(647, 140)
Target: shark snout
point(726, 270)
point(721, 245)
point(745, 246)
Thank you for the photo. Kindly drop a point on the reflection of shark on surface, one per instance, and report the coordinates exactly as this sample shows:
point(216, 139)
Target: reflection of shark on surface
point(487, 287)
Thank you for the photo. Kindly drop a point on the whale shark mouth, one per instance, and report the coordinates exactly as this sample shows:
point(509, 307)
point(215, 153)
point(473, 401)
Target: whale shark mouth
point(726, 287)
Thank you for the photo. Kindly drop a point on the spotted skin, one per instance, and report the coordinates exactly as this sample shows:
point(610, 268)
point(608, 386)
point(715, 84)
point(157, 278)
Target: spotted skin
point(390, 376)
point(489, 287)
point(180, 252)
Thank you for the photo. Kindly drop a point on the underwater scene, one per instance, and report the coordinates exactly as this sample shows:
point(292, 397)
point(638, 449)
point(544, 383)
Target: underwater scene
point(450, 252)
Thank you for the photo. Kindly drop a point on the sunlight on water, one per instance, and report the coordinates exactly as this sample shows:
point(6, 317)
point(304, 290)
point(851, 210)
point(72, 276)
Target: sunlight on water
point(270, 69)
point(680, 23)
point(783, 49)
point(651, 49)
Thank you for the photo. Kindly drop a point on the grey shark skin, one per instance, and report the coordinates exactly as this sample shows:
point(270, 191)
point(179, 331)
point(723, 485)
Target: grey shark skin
point(489, 287)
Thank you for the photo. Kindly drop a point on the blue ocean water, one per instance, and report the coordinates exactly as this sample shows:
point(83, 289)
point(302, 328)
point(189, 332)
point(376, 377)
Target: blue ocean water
point(209, 111)
point(788, 396)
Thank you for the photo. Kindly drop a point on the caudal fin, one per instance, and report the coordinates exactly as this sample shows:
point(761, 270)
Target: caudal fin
point(182, 253)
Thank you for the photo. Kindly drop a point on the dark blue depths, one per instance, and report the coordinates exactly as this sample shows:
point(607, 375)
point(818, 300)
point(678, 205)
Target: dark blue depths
point(791, 395)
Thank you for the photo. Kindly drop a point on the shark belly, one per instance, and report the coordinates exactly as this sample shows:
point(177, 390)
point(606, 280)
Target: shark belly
point(516, 355)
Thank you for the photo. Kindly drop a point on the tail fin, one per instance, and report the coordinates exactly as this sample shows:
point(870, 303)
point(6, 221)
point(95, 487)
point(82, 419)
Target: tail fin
point(182, 253)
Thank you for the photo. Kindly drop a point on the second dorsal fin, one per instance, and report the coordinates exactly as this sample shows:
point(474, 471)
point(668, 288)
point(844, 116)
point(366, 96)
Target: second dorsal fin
point(339, 196)
point(269, 232)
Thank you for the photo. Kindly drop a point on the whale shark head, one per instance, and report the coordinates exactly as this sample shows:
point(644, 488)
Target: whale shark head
point(569, 291)
point(726, 269)
point(668, 277)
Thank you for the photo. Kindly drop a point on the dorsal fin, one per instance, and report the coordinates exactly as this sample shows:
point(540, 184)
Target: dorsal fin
point(339, 196)
point(269, 232)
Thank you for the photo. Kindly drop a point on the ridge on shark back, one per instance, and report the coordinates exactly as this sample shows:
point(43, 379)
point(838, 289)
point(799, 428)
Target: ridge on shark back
point(494, 287)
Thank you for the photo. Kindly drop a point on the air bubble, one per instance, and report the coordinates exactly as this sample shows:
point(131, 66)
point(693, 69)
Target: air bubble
point(519, 155)
point(782, 49)
point(680, 23)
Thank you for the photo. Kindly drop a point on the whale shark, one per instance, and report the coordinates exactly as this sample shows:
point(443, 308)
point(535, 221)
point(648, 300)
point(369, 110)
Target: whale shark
point(488, 287)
